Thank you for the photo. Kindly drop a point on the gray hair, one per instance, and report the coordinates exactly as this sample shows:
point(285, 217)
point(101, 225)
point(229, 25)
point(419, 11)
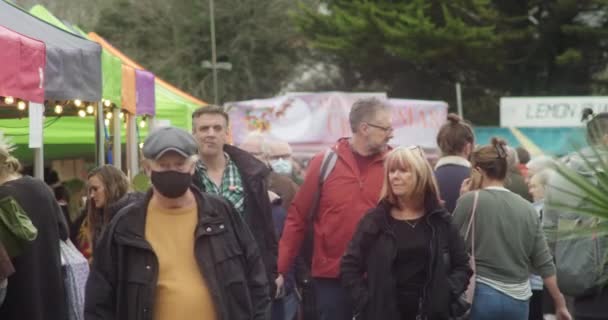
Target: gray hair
point(363, 110)
point(543, 176)
point(512, 158)
point(539, 164)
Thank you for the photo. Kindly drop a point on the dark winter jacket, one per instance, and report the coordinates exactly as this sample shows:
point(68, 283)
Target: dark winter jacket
point(450, 172)
point(367, 267)
point(516, 183)
point(124, 274)
point(36, 290)
point(258, 213)
point(284, 187)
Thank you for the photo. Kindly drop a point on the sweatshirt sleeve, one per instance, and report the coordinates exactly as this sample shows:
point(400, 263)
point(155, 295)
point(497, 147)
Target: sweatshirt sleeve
point(541, 258)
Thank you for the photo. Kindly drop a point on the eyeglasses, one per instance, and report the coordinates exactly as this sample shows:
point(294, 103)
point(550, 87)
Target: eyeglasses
point(385, 129)
point(417, 149)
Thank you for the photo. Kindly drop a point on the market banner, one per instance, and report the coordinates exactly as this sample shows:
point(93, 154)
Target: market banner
point(313, 121)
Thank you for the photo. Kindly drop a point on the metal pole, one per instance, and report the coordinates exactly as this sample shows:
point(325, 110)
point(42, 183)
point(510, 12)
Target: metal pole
point(213, 52)
point(101, 136)
point(459, 100)
point(117, 141)
point(132, 147)
point(39, 152)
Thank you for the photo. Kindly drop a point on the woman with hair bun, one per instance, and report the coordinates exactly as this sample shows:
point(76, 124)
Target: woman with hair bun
point(509, 241)
point(456, 141)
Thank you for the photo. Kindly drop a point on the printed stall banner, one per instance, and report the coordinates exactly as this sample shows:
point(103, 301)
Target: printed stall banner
point(310, 122)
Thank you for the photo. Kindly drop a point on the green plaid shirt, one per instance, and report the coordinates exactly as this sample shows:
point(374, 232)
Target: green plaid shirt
point(232, 185)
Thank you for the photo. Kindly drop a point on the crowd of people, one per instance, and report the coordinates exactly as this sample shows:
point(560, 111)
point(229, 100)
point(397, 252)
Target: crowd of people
point(364, 231)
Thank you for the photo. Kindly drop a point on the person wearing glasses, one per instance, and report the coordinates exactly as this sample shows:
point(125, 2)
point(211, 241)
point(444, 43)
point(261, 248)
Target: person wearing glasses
point(406, 260)
point(352, 187)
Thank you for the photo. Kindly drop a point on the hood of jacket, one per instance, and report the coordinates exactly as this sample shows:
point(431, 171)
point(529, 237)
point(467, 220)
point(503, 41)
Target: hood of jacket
point(587, 160)
point(247, 164)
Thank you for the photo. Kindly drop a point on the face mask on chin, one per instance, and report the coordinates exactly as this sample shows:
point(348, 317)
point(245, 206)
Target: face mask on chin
point(171, 184)
point(282, 166)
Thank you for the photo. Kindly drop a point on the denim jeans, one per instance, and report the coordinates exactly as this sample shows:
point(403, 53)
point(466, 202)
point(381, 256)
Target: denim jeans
point(333, 302)
point(491, 304)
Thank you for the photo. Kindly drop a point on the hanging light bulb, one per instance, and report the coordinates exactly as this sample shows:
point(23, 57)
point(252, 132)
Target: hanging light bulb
point(9, 100)
point(109, 115)
point(82, 113)
point(90, 109)
point(107, 122)
point(77, 102)
point(58, 109)
point(142, 123)
point(122, 115)
point(21, 105)
point(107, 103)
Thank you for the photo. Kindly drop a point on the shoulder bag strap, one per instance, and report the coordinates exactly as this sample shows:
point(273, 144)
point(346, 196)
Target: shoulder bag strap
point(471, 226)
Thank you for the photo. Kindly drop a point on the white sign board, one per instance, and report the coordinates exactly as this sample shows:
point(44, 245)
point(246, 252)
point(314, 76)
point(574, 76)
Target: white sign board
point(548, 111)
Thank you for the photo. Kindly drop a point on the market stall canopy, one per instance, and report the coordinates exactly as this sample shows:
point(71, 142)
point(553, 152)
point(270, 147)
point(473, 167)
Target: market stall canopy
point(172, 104)
point(23, 61)
point(97, 38)
point(73, 64)
point(129, 87)
point(111, 67)
point(146, 103)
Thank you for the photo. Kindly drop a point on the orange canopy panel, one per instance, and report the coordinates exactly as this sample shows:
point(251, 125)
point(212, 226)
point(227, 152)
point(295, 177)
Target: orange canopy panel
point(22, 63)
point(126, 60)
point(129, 91)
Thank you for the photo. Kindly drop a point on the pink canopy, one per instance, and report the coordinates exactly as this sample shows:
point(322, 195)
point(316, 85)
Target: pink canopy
point(22, 63)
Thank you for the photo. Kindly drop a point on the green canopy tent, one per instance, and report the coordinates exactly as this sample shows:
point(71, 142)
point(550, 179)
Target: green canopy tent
point(74, 137)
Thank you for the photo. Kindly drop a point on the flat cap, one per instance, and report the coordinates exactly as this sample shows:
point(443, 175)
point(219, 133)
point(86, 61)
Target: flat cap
point(166, 139)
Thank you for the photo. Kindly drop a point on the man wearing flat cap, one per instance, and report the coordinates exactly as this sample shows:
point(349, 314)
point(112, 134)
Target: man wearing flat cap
point(179, 253)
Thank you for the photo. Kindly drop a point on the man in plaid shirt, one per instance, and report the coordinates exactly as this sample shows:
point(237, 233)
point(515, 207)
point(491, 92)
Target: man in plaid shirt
point(237, 176)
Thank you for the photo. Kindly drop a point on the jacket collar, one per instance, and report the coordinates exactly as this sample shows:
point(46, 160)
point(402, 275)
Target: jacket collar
point(247, 164)
point(133, 223)
point(452, 160)
point(385, 207)
point(345, 151)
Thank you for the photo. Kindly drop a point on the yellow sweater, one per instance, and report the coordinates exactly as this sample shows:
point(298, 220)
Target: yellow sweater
point(181, 291)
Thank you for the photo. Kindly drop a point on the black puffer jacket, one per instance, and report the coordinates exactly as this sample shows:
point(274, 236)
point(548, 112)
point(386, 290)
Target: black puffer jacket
point(371, 253)
point(124, 274)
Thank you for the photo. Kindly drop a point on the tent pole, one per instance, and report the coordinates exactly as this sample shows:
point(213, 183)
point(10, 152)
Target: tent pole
point(39, 155)
point(117, 141)
point(132, 147)
point(101, 154)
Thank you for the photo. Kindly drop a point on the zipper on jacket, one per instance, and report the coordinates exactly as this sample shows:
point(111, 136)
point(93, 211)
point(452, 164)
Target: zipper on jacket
point(428, 280)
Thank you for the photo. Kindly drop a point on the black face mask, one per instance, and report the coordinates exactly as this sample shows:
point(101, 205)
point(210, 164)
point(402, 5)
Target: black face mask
point(171, 184)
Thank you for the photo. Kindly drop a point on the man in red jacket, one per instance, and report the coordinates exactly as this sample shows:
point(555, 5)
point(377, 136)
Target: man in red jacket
point(350, 190)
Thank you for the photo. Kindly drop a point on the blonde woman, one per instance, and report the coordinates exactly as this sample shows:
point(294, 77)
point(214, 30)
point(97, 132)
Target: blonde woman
point(406, 259)
point(36, 290)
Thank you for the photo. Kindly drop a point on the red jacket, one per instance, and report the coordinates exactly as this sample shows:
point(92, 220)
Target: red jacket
point(346, 197)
